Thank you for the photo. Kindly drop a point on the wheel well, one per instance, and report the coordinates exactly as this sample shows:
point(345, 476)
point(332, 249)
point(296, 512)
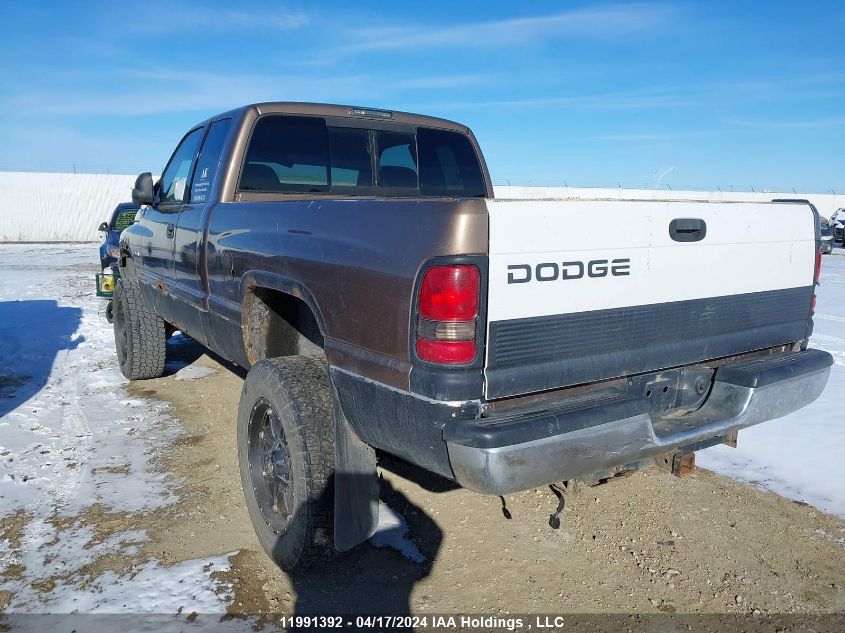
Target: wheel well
point(279, 324)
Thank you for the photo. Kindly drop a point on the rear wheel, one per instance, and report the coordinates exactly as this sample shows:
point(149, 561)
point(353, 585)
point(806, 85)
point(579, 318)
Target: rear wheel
point(139, 334)
point(286, 456)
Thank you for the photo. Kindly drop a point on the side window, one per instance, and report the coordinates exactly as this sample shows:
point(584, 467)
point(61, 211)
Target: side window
point(209, 160)
point(350, 157)
point(287, 154)
point(175, 176)
point(448, 164)
point(397, 160)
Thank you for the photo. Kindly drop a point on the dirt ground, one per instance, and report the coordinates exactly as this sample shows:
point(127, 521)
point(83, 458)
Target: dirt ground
point(648, 542)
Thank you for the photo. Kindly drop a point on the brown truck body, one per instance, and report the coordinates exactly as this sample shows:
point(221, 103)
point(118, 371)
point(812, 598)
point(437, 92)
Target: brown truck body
point(258, 252)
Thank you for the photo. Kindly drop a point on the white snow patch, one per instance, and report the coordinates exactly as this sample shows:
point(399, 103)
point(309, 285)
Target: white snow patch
point(192, 372)
point(798, 456)
point(179, 339)
point(185, 622)
point(392, 532)
point(150, 588)
point(72, 437)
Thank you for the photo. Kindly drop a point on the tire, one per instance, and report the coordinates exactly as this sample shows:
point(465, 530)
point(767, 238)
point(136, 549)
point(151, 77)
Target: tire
point(286, 455)
point(139, 334)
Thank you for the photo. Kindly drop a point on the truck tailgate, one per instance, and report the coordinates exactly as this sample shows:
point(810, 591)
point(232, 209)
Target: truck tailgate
point(586, 290)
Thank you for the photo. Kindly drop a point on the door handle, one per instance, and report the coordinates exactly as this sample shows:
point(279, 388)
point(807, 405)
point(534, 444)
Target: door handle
point(687, 229)
point(171, 230)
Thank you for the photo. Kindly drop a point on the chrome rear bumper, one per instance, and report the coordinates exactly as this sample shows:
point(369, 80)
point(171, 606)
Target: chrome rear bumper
point(742, 395)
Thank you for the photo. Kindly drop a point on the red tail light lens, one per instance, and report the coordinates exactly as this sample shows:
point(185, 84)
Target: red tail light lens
point(448, 352)
point(450, 293)
point(447, 314)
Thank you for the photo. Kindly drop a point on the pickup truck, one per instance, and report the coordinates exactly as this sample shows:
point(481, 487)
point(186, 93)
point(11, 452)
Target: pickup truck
point(355, 261)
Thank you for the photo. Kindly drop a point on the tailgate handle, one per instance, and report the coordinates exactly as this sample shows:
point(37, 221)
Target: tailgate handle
point(687, 229)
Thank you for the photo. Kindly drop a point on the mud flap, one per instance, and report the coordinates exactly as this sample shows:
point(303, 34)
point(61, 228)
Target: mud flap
point(356, 485)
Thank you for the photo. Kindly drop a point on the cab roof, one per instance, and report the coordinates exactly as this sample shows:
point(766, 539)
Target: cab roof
point(349, 112)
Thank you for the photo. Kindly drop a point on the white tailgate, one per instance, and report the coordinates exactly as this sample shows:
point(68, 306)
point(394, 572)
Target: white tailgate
point(749, 247)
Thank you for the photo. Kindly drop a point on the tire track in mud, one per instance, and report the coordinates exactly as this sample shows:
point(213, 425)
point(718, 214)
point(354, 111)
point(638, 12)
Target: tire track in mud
point(76, 433)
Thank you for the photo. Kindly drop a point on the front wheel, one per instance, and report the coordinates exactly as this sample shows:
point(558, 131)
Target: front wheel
point(286, 456)
point(139, 334)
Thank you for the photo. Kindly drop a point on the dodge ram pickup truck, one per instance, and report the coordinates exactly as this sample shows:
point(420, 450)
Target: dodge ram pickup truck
point(356, 263)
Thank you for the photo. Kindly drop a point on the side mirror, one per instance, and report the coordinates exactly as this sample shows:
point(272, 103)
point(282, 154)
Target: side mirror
point(104, 227)
point(143, 191)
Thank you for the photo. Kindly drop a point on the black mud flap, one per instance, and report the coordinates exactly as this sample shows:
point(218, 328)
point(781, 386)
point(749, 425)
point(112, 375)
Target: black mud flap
point(356, 485)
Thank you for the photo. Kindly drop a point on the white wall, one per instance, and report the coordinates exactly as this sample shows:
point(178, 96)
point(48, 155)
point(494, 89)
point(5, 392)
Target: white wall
point(45, 207)
point(826, 203)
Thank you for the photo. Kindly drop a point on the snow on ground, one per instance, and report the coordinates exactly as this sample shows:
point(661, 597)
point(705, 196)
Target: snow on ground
point(73, 441)
point(798, 456)
point(192, 372)
point(151, 589)
point(392, 532)
point(67, 426)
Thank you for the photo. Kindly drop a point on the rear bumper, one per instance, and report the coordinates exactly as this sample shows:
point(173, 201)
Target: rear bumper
point(484, 457)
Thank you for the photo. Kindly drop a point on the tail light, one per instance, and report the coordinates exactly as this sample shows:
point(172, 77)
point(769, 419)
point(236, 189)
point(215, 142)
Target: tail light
point(447, 310)
point(448, 352)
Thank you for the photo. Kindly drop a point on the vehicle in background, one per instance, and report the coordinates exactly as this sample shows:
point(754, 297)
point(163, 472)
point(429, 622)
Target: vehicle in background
point(122, 216)
point(826, 236)
point(837, 221)
point(825, 242)
point(355, 262)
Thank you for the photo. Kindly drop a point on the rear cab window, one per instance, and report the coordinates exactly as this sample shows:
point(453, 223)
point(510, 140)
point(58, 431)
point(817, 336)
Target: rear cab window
point(351, 158)
point(397, 160)
point(287, 154)
point(448, 164)
point(306, 154)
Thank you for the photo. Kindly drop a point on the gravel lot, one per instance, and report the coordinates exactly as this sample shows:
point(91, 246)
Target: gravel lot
point(643, 543)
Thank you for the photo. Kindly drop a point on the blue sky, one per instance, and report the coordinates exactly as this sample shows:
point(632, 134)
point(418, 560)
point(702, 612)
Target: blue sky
point(583, 93)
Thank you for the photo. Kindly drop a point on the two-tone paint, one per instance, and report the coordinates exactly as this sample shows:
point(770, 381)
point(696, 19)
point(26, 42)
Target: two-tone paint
point(667, 305)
